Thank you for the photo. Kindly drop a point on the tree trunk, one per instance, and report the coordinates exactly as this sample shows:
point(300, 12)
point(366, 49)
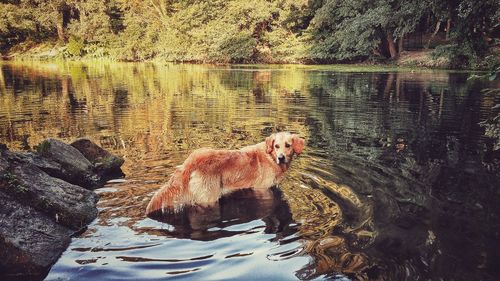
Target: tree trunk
point(438, 25)
point(400, 44)
point(60, 33)
point(392, 46)
point(377, 52)
point(448, 26)
point(60, 28)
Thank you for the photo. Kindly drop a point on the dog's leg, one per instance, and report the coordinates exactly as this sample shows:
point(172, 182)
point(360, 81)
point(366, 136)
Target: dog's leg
point(201, 189)
point(171, 195)
point(163, 198)
point(205, 190)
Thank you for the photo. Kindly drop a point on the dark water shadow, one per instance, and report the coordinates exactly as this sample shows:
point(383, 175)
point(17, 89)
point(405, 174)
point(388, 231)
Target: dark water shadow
point(239, 207)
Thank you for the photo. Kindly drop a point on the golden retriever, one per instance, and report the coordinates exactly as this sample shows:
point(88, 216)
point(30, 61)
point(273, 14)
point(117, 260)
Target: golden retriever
point(208, 173)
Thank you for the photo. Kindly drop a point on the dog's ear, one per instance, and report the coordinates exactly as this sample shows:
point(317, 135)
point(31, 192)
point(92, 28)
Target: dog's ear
point(270, 143)
point(298, 144)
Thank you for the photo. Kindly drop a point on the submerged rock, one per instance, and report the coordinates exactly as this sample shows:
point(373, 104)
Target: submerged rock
point(105, 164)
point(43, 203)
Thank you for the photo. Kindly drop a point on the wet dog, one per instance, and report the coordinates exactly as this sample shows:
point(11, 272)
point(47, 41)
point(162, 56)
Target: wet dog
point(208, 173)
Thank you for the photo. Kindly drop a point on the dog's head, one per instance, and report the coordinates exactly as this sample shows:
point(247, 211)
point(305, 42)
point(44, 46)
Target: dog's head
point(283, 145)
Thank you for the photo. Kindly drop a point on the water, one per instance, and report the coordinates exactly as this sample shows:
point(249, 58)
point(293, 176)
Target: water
point(397, 181)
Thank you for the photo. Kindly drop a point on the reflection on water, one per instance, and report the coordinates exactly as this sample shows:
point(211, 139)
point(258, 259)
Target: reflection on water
point(239, 207)
point(397, 181)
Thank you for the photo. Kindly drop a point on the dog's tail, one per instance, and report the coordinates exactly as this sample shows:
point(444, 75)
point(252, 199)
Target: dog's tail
point(170, 195)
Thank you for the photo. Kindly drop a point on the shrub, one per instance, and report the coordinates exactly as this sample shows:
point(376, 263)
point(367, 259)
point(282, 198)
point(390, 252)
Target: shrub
point(75, 46)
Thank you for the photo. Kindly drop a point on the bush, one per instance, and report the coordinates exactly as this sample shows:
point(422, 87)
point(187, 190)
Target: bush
point(95, 51)
point(75, 47)
point(467, 51)
point(237, 47)
point(491, 125)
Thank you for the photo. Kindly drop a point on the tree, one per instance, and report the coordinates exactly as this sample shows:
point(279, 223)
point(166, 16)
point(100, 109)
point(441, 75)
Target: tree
point(351, 29)
point(51, 14)
point(16, 24)
point(254, 31)
point(90, 20)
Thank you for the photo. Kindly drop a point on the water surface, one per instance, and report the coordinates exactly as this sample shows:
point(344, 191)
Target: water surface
point(397, 181)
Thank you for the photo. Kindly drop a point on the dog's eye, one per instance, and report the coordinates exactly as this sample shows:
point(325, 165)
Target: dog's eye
point(277, 146)
point(287, 145)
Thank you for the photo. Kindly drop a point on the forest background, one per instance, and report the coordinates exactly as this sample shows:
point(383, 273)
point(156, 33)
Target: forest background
point(434, 33)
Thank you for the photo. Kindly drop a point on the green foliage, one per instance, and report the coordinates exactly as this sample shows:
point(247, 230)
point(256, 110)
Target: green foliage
point(75, 46)
point(16, 25)
point(235, 47)
point(472, 20)
point(250, 31)
point(43, 148)
point(491, 125)
point(95, 51)
point(466, 54)
point(93, 23)
point(492, 129)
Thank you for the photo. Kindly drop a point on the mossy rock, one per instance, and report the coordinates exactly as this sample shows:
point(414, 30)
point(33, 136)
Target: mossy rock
point(43, 148)
point(103, 160)
point(75, 168)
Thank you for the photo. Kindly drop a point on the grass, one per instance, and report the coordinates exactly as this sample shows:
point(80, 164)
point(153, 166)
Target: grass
point(43, 147)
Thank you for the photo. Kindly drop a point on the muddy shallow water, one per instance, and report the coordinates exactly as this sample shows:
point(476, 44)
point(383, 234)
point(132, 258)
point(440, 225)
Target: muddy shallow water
point(397, 181)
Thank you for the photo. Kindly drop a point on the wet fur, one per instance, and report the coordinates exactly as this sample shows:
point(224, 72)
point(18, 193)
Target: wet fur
point(208, 173)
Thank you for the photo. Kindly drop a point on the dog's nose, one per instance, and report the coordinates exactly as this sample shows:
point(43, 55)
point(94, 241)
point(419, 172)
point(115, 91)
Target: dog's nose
point(281, 158)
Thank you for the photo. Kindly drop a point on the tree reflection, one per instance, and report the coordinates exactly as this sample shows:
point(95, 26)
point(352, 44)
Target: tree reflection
point(395, 180)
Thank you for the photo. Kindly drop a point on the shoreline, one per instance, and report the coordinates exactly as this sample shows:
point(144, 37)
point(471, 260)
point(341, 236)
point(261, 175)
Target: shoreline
point(411, 60)
point(344, 67)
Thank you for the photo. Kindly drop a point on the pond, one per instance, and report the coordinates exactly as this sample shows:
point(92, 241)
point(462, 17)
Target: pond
point(397, 180)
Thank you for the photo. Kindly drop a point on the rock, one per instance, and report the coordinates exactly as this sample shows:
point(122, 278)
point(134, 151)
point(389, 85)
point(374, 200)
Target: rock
point(74, 167)
point(73, 205)
point(30, 240)
point(50, 167)
point(41, 206)
point(105, 163)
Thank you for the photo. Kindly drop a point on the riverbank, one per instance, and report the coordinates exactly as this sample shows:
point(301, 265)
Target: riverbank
point(407, 60)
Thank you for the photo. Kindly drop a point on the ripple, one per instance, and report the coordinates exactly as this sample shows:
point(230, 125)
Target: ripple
point(388, 157)
point(140, 259)
point(182, 271)
point(238, 255)
point(117, 249)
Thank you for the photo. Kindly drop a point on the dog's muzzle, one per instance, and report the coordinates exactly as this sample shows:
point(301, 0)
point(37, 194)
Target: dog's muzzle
point(281, 159)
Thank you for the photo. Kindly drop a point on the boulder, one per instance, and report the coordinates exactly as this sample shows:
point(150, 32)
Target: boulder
point(31, 241)
point(105, 164)
point(74, 167)
point(43, 203)
point(71, 205)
